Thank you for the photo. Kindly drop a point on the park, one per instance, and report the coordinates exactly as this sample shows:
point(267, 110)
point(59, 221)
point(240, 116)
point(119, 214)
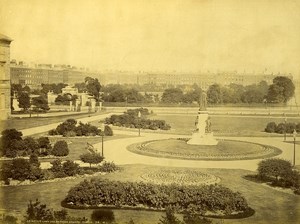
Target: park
point(163, 157)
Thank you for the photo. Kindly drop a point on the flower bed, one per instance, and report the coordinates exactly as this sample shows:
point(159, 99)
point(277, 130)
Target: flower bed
point(209, 199)
point(225, 150)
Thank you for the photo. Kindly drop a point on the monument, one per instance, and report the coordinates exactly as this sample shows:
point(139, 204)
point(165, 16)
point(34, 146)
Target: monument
point(202, 134)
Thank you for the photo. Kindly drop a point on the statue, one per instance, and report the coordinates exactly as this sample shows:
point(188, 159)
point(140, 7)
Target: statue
point(202, 101)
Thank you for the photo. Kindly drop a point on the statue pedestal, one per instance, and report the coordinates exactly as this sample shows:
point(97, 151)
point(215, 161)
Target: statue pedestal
point(202, 139)
point(202, 136)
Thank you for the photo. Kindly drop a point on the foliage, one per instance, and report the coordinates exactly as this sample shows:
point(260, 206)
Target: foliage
point(68, 168)
point(214, 94)
point(56, 88)
point(172, 95)
point(40, 103)
point(9, 136)
point(274, 168)
point(281, 128)
point(9, 219)
point(281, 90)
point(60, 148)
point(103, 216)
point(170, 218)
point(191, 217)
point(130, 119)
point(24, 100)
point(93, 87)
point(203, 198)
point(70, 128)
point(65, 99)
point(108, 167)
point(108, 131)
point(36, 211)
point(91, 158)
point(20, 169)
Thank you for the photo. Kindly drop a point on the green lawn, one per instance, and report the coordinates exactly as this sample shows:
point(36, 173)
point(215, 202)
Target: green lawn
point(271, 206)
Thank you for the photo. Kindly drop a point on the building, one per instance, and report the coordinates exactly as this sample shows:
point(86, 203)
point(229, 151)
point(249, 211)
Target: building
point(5, 77)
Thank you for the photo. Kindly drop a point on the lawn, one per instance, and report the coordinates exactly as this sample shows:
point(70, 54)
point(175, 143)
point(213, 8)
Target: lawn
point(223, 125)
point(271, 206)
point(224, 150)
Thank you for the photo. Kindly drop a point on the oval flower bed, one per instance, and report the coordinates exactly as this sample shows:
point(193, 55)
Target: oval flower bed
point(224, 150)
point(180, 177)
point(205, 199)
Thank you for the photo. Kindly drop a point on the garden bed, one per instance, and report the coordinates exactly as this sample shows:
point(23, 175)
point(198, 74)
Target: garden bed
point(225, 150)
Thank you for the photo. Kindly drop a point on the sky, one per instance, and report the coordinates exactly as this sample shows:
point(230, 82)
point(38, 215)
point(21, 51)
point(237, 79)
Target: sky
point(156, 35)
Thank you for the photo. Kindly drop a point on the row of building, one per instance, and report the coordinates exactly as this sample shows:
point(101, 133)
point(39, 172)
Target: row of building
point(37, 74)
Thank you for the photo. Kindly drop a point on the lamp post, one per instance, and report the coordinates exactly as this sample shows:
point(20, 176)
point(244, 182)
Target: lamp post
point(139, 119)
point(102, 136)
point(285, 119)
point(294, 136)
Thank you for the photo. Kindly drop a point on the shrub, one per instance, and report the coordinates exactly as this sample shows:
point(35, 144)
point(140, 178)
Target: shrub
point(108, 167)
point(20, 169)
point(108, 131)
point(118, 194)
point(70, 168)
point(271, 127)
point(91, 158)
point(60, 148)
point(9, 219)
point(170, 218)
point(69, 134)
point(274, 168)
point(53, 132)
point(103, 216)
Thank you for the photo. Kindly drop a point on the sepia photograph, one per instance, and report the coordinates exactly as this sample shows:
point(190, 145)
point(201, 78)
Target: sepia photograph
point(150, 111)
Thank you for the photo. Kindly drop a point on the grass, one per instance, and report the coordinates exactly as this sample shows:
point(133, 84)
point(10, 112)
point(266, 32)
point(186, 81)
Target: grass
point(224, 150)
point(223, 125)
point(271, 206)
point(29, 122)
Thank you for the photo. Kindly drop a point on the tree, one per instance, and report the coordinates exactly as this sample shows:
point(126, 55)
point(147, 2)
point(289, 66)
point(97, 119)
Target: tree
point(8, 136)
point(38, 211)
point(20, 169)
point(31, 145)
point(108, 131)
point(24, 101)
point(60, 148)
point(274, 168)
point(70, 168)
point(103, 216)
point(170, 218)
point(40, 103)
point(281, 90)
point(93, 87)
point(34, 160)
point(91, 158)
point(44, 142)
point(172, 95)
point(214, 94)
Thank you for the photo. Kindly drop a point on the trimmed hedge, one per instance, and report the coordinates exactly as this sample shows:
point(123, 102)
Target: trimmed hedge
point(214, 198)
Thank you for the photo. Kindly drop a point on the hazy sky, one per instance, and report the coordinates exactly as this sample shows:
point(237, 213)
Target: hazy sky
point(183, 35)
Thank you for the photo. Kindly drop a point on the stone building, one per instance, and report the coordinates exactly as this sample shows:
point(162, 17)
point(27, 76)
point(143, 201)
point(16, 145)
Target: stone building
point(5, 77)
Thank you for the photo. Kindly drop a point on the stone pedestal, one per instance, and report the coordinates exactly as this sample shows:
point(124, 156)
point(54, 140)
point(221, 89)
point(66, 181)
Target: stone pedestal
point(202, 134)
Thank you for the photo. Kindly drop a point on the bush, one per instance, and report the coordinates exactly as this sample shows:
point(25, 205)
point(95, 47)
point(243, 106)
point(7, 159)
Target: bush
point(8, 219)
point(70, 168)
point(108, 167)
point(108, 131)
point(271, 127)
point(103, 216)
point(118, 194)
point(274, 168)
point(91, 158)
point(60, 148)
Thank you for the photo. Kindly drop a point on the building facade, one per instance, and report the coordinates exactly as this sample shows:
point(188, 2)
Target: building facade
point(5, 100)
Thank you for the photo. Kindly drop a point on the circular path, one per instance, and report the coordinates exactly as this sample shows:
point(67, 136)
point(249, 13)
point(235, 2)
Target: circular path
point(116, 151)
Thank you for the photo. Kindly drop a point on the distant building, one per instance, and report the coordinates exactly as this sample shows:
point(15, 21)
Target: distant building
point(5, 77)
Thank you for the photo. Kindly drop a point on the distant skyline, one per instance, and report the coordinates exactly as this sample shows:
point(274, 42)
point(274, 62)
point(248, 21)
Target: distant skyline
point(165, 35)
